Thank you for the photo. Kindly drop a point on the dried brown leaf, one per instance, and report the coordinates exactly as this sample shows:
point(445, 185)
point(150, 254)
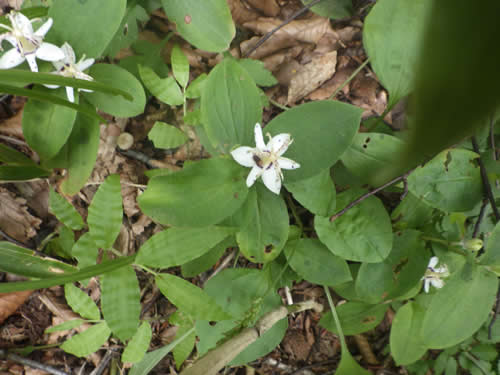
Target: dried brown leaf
point(10, 302)
point(240, 12)
point(311, 76)
point(274, 44)
point(273, 62)
point(269, 7)
point(15, 219)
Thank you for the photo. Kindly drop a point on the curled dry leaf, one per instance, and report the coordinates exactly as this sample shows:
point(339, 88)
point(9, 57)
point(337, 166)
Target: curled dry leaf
point(241, 13)
point(309, 30)
point(274, 44)
point(269, 7)
point(312, 75)
point(272, 62)
point(15, 219)
point(10, 302)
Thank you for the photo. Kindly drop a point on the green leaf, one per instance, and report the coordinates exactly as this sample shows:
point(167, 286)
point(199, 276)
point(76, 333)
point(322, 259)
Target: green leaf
point(51, 99)
point(117, 77)
point(201, 194)
point(21, 261)
point(47, 126)
point(258, 72)
point(166, 136)
point(21, 173)
point(64, 279)
point(70, 324)
point(180, 66)
point(196, 86)
point(316, 193)
point(106, 212)
point(411, 213)
point(230, 106)
point(176, 246)
point(184, 349)
point(81, 303)
point(333, 9)
point(355, 317)
point(348, 366)
point(314, 262)
point(401, 271)
point(19, 75)
point(450, 182)
point(446, 105)
point(460, 307)
point(85, 251)
point(80, 154)
point(363, 233)
point(87, 25)
point(327, 127)
point(13, 157)
point(137, 346)
point(87, 342)
point(207, 260)
point(492, 254)
point(263, 222)
point(190, 299)
point(207, 25)
point(369, 154)
point(164, 89)
point(151, 359)
point(392, 34)
point(121, 301)
point(406, 344)
point(64, 211)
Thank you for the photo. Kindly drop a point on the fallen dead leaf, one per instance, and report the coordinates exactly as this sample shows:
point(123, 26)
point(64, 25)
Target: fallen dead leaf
point(241, 13)
point(269, 7)
point(15, 219)
point(10, 302)
point(312, 75)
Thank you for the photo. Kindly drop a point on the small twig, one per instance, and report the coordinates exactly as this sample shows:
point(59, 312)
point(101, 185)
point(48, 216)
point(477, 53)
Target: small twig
point(351, 77)
point(286, 22)
point(104, 363)
point(369, 194)
point(480, 218)
point(13, 240)
point(492, 145)
point(279, 105)
point(486, 184)
point(28, 362)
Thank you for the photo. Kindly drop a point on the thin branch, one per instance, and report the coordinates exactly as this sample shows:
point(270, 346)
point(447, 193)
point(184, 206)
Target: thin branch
point(33, 364)
point(486, 184)
point(351, 77)
point(480, 218)
point(489, 194)
point(286, 22)
point(369, 194)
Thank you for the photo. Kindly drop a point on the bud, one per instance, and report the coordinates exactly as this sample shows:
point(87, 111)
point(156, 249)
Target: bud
point(474, 244)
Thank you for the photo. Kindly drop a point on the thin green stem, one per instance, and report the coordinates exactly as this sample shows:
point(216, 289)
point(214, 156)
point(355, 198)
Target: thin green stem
point(349, 79)
point(476, 362)
point(336, 318)
point(294, 212)
point(144, 268)
point(276, 104)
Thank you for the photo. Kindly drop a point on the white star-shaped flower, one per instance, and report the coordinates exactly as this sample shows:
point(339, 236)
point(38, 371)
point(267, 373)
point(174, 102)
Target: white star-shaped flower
point(28, 45)
point(434, 274)
point(266, 160)
point(68, 67)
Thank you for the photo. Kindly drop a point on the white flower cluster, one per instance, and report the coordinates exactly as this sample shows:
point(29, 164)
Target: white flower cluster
point(29, 45)
point(433, 275)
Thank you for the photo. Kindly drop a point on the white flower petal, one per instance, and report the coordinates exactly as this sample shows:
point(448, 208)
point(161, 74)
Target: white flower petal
point(437, 283)
point(58, 65)
point(49, 52)
point(70, 94)
point(85, 64)
point(254, 175)
point(286, 163)
point(279, 143)
point(84, 76)
point(433, 262)
point(9, 38)
point(272, 178)
point(32, 62)
point(259, 138)
point(86, 90)
point(426, 285)
point(10, 59)
point(244, 156)
point(69, 54)
point(42, 30)
point(51, 86)
point(21, 22)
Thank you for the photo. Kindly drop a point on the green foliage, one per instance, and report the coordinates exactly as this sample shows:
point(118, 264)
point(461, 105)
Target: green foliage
point(207, 25)
point(87, 342)
point(138, 344)
point(64, 211)
point(166, 136)
point(81, 303)
point(164, 89)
